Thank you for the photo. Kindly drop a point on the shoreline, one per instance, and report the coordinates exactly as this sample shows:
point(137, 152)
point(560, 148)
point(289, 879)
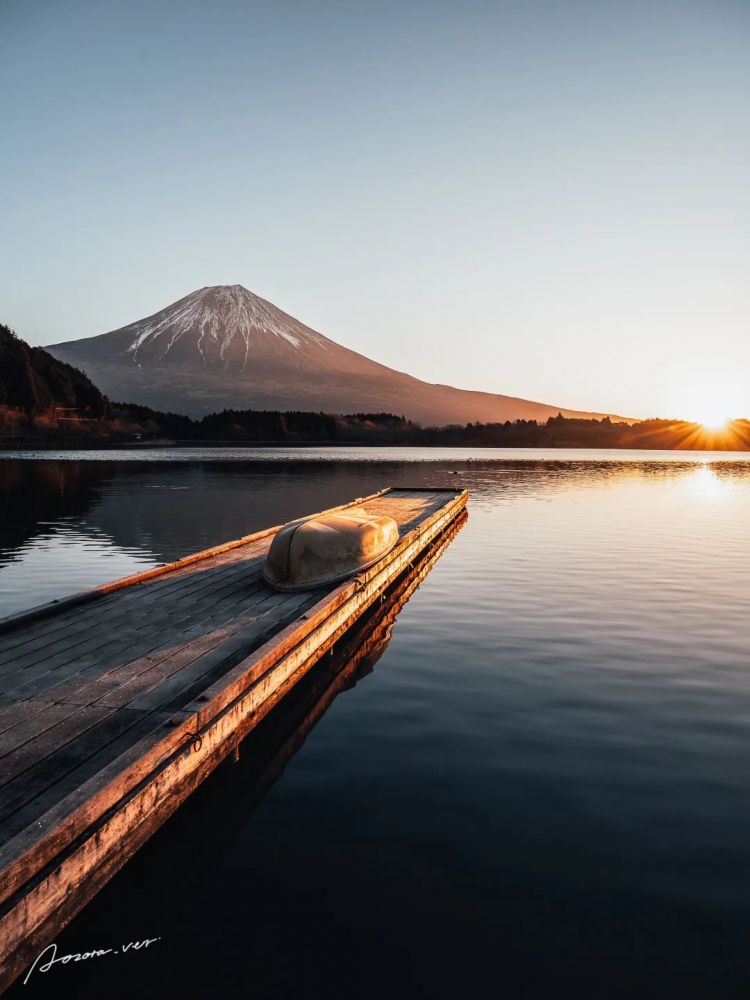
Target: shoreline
point(26, 445)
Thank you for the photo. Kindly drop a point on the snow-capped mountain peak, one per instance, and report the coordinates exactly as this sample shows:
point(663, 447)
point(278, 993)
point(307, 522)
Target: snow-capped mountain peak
point(225, 325)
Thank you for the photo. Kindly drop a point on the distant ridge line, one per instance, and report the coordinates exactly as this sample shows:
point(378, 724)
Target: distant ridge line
point(223, 347)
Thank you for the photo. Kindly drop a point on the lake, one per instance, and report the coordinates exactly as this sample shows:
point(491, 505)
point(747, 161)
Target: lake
point(535, 785)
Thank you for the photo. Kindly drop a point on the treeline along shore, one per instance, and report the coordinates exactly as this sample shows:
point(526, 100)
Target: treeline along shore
point(128, 425)
point(45, 403)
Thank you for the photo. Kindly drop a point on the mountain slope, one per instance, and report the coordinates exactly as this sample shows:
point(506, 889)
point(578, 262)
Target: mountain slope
point(34, 381)
point(224, 347)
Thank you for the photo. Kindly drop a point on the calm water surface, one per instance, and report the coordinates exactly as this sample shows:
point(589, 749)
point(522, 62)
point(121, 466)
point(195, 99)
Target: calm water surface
point(539, 788)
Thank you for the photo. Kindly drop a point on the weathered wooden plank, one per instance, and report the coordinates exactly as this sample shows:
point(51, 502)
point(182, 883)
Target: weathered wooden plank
point(153, 688)
point(146, 633)
point(119, 613)
point(38, 789)
point(149, 707)
point(128, 677)
point(15, 714)
point(183, 583)
point(53, 608)
point(193, 680)
point(47, 742)
point(40, 722)
point(120, 642)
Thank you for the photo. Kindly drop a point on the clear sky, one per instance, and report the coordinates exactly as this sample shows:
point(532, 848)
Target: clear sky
point(546, 199)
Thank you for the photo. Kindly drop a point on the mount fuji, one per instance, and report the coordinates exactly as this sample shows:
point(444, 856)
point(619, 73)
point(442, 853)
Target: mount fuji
point(222, 347)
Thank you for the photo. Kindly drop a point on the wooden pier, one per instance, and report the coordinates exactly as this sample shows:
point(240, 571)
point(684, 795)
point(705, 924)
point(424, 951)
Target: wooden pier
point(115, 704)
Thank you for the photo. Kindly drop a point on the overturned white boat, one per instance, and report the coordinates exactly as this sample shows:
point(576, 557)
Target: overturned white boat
point(319, 550)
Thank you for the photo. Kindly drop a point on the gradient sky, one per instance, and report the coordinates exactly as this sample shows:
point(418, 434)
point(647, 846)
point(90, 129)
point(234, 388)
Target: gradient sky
point(545, 199)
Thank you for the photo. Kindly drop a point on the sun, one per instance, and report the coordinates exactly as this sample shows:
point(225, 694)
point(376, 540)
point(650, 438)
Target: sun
point(711, 413)
point(713, 400)
point(712, 420)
